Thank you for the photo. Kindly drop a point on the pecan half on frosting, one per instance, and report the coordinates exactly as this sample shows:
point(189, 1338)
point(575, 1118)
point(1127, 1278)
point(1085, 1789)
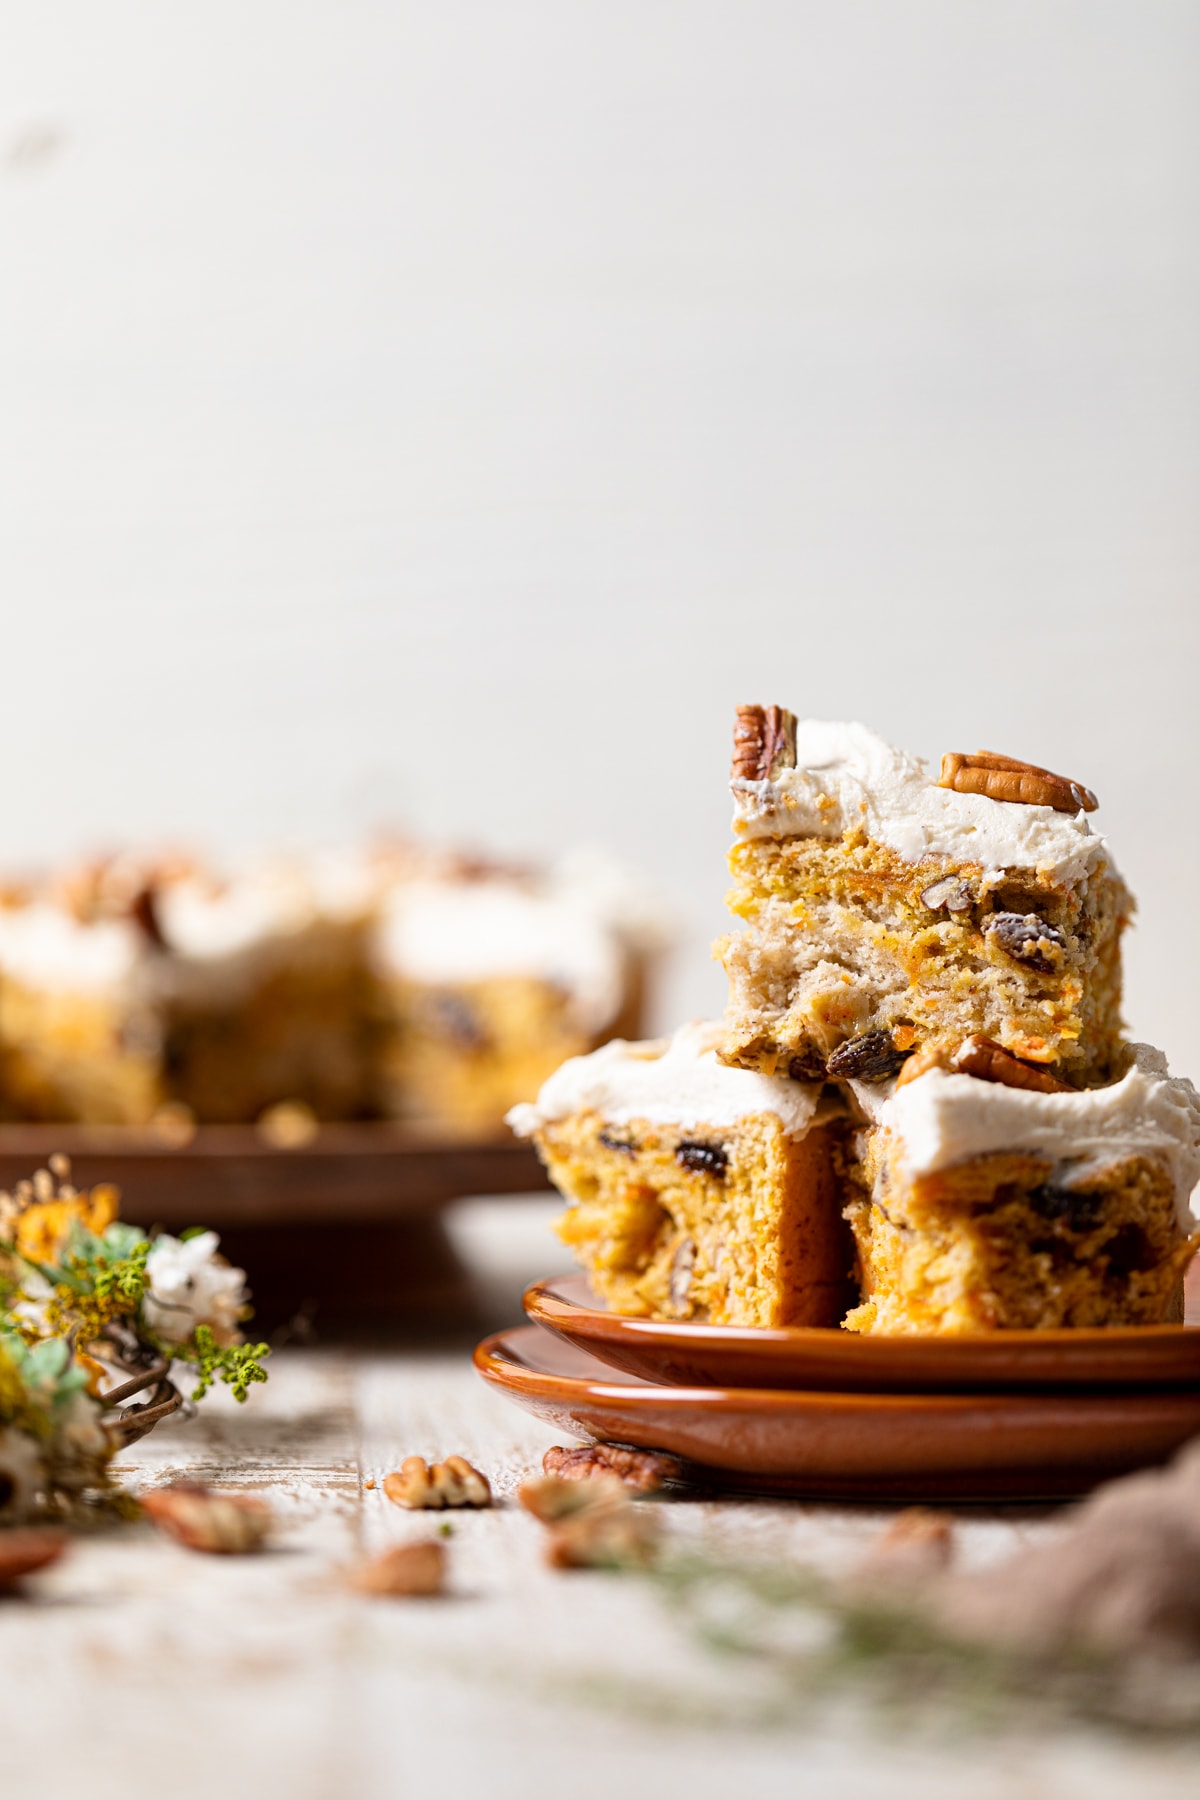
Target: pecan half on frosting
point(1004, 778)
point(986, 1060)
point(764, 742)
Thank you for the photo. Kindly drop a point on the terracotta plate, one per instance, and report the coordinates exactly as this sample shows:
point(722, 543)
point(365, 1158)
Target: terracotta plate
point(742, 1356)
point(986, 1446)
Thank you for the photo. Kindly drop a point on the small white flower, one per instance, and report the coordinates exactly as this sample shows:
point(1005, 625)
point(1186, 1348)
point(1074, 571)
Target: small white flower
point(189, 1285)
point(22, 1473)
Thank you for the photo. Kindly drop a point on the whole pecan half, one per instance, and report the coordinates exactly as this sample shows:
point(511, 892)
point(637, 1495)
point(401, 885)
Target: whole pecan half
point(1004, 778)
point(987, 1060)
point(764, 742)
point(645, 1470)
point(419, 1485)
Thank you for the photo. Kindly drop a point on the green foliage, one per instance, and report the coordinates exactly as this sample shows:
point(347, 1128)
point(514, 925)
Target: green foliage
point(99, 1279)
point(36, 1380)
point(812, 1643)
point(238, 1366)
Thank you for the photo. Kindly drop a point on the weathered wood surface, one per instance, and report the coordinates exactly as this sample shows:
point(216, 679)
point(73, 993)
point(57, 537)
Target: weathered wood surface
point(137, 1667)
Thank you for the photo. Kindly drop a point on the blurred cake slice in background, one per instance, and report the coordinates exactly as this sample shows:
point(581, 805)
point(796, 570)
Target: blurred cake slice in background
point(492, 976)
point(886, 910)
point(982, 1205)
point(266, 993)
point(80, 1023)
point(696, 1191)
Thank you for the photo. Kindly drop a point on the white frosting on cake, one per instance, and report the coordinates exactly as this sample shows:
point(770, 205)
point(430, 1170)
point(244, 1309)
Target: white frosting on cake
point(846, 777)
point(462, 931)
point(210, 921)
point(941, 1120)
point(669, 1081)
point(44, 946)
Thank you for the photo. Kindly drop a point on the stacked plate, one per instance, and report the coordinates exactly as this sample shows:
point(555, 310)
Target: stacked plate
point(1017, 1415)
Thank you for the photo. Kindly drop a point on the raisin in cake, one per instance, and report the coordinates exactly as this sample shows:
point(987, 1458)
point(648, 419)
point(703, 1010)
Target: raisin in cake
point(696, 1191)
point(979, 1206)
point(885, 910)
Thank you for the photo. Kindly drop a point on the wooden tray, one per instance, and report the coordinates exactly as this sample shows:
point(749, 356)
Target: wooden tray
point(230, 1175)
point(340, 1237)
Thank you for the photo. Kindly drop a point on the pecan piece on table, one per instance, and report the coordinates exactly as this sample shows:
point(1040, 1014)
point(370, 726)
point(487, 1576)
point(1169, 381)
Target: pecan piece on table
point(420, 1485)
point(764, 742)
point(592, 1524)
point(987, 1060)
point(202, 1519)
point(871, 1056)
point(645, 1470)
point(1028, 939)
point(406, 1571)
point(1004, 778)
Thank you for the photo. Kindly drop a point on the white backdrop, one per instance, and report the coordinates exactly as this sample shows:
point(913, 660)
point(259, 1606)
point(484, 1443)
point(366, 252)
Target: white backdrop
point(447, 412)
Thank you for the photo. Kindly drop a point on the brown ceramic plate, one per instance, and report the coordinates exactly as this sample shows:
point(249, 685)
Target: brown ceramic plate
point(986, 1446)
point(745, 1356)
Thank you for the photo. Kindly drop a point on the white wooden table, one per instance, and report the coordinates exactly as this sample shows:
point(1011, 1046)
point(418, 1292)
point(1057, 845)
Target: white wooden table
point(141, 1668)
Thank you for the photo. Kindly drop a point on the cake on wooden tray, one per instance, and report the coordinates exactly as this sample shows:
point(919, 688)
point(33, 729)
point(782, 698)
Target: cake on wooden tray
point(80, 1029)
point(493, 976)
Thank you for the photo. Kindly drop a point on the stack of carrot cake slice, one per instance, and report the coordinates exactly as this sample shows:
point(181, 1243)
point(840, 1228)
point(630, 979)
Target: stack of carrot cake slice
point(924, 1011)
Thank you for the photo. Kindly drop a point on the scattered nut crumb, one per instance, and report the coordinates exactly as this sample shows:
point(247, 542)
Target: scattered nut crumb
point(369, 1482)
point(645, 1470)
point(202, 1519)
point(455, 1482)
point(406, 1570)
point(290, 1125)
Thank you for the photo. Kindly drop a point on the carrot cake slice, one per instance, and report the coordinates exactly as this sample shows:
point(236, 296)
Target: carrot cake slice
point(979, 1205)
point(696, 1191)
point(80, 1030)
point(886, 910)
point(266, 993)
point(492, 977)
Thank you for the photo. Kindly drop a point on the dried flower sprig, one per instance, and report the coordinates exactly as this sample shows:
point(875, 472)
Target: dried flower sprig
point(84, 1297)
